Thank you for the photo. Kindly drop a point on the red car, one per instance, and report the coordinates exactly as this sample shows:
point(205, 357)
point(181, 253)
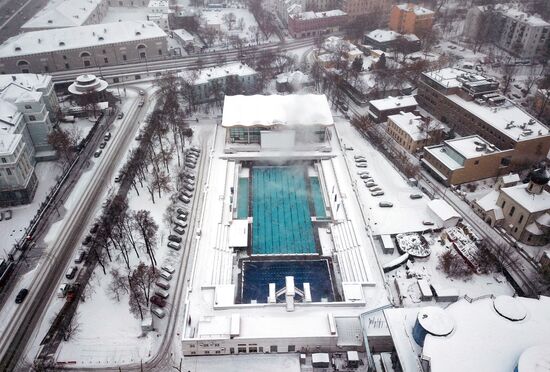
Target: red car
point(156, 300)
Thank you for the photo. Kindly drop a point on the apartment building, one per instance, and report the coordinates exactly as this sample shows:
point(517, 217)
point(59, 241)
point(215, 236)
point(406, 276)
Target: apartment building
point(213, 83)
point(361, 8)
point(380, 109)
point(307, 24)
point(522, 209)
point(470, 104)
point(413, 132)
point(386, 40)
point(85, 46)
point(519, 33)
point(411, 19)
point(26, 104)
point(67, 13)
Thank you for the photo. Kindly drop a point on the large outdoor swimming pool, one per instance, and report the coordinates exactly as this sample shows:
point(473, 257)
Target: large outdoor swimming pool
point(280, 210)
point(258, 274)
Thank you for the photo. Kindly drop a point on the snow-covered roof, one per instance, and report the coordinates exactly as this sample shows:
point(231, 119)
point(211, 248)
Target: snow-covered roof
point(183, 34)
point(295, 78)
point(63, 13)
point(8, 142)
point(471, 147)
point(79, 37)
point(532, 202)
point(238, 233)
point(435, 321)
point(446, 77)
point(383, 36)
point(274, 110)
point(410, 124)
point(211, 73)
point(485, 341)
point(512, 11)
point(489, 201)
point(391, 103)
point(417, 9)
point(442, 209)
point(508, 118)
point(9, 115)
point(158, 4)
point(27, 81)
point(510, 178)
point(316, 15)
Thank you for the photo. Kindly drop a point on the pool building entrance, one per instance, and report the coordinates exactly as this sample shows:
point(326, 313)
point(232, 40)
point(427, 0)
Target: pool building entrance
point(283, 204)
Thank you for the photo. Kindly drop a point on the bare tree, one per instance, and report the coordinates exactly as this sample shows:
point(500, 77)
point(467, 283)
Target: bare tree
point(118, 286)
point(72, 328)
point(147, 230)
point(509, 72)
point(453, 265)
point(141, 283)
point(229, 19)
point(64, 144)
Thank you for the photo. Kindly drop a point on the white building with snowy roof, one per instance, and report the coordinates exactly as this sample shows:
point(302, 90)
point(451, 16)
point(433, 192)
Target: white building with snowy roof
point(276, 122)
point(522, 209)
point(95, 45)
point(67, 13)
point(27, 103)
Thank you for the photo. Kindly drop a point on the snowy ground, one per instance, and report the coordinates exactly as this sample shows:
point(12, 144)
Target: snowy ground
point(79, 129)
point(406, 214)
point(476, 285)
point(13, 230)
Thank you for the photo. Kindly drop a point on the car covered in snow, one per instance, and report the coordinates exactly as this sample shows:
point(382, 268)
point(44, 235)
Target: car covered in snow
point(377, 193)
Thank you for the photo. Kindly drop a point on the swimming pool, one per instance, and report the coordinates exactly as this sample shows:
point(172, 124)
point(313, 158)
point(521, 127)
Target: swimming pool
point(258, 274)
point(280, 210)
point(242, 199)
point(317, 197)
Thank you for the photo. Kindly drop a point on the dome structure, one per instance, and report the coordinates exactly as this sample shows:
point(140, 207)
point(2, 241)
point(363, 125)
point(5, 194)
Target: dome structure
point(86, 84)
point(539, 176)
point(510, 308)
point(534, 359)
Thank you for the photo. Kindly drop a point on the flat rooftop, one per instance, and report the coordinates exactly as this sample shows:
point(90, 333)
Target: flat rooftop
point(276, 110)
point(59, 39)
point(391, 103)
point(532, 202)
point(410, 124)
point(417, 9)
point(63, 13)
point(230, 69)
point(383, 36)
point(454, 152)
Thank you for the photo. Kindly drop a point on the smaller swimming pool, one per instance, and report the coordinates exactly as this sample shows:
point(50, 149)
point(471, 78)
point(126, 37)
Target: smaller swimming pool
point(258, 274)
point(317, 196)
point(242, 199)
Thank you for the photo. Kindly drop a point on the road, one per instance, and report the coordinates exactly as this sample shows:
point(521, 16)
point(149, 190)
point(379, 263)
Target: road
point(14, 13)
point(52, 265)
point(178, 64)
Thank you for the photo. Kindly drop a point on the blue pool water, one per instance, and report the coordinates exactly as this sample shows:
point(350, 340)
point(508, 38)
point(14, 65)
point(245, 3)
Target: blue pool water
point(258, 274)
point(280, 210)
point(242, 199)
point(317, 197)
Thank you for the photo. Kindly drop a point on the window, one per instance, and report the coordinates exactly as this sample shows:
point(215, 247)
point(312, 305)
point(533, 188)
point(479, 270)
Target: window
point(207, 351)
point(512, 210)
point(124, 58)
point(231, 350)
point(261, 349)
point(32, 118)
point(273, 349)
point(503, 203)
point(241, 349)
point(46, 69)
point(291, 348)
point(86, 63)
point(520, 218)
point(106, 60)
point(4, 160)
point(8, 171)
point(66, 66)
point(116, 80)
point(64, 57)
point(28, 107)
point(137, 77)
point(253, 349)
point(476, 162)
point(160, 52)
point(516, 230)
point(104, 51)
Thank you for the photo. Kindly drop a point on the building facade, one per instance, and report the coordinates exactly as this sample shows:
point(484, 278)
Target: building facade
point(471, 105)
point(309, 24)
point(413, 132)
point(411, 19)
point(465, 159)
point(521, 34)
point(362, 8)
point(380, 109)
point(99, 45)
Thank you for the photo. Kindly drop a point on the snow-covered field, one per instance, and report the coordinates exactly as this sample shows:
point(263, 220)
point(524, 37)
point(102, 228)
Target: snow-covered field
point(13, 230)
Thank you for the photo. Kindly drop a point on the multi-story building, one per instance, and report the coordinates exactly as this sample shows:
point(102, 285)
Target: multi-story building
point(213, 83)
point(521, 34)
point(413, 132)
point(411, 19)
point(26, 103)
point(470, 105)
point(67, 13)
point(361, 8)
point(387, 39)
point(522, 209)
point(85, 46)
point(380, 109)
point(159, 13)
point(308, 24)
point(465, 159)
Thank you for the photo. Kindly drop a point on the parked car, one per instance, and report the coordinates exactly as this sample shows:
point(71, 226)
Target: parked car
point(168, 268)
point(163, 284)
point(427, 223)
point(377, 193)
point(107, 136)
point(361, 165)
point(102, 145)
point(375, 188)
point(97, 154)
point(180, 223)
point(87, 240)
point(385, 204)
point(21, 295)
point(365, 176)
point(415, 196)
point(71, 273)
point(182, 211)
point(117, 179)
point(187, 193)
point(174, 245)
point(190, 165)
point(156, 300)
point(140, 103)
point(362, 172)
point(120, 115)
point(358, 157)
point(189, 176)
point(141, 92)
point(164, 275)
point(188, 187)
point(184, 199)
point(174, 238)
point(159, 313)
point(179, 230)
point(370, 184)
point(63, 289)
point(161, 293)
point(80, 257)
point(182, 216)
point(361, 160)
point(94, 229)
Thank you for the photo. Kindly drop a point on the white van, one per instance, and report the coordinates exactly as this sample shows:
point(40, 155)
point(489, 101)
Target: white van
point(71, 273)
point(158, 312)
